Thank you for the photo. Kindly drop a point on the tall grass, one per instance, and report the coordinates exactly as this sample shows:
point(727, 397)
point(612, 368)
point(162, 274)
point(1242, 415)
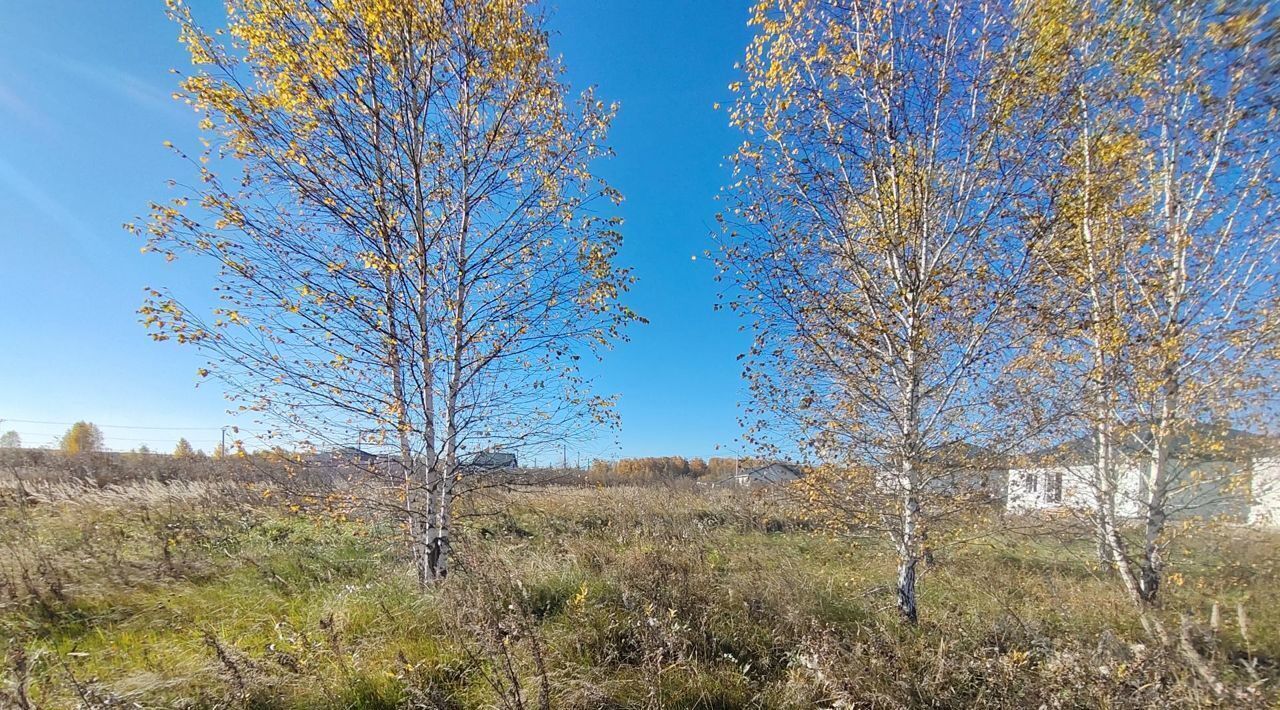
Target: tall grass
point(203, 595)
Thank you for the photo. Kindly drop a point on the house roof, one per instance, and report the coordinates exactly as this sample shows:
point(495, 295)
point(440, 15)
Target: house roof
point(352, 453)
point(782, 468)
point(491, 459)
point(961, 454)
point(1197, 441)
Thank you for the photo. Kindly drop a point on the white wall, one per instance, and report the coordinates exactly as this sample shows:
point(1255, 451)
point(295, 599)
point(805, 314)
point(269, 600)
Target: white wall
point(1200, 489)
point(989, 484)
point(1077, 489)
point(1265, 510)
point(1023, 496)
point(767, 475)
point(1216, 489)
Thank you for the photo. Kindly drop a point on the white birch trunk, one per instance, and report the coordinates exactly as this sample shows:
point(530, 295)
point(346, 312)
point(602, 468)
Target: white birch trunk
point(1156, 501)
point(908, 535)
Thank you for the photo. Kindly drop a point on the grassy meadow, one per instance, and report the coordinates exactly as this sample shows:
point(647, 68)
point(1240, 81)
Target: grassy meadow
point(205, 595)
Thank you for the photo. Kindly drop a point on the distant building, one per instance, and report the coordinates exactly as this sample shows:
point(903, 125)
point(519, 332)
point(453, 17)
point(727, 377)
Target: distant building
point(1264, 493)
point(1214, 471)
point(491, 461)
point(353, 455)
point(958, 469)
point(964, 468)
point(768, 474)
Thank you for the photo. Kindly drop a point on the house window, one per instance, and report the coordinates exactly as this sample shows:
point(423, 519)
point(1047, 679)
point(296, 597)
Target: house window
point(1053, 486)
point(1032, 481)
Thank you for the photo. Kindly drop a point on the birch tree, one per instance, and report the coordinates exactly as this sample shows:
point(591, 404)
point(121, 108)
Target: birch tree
point(1085, 299)
point(1207, 283)
point(1168, 247)
point(410, 243)
point(875, 245)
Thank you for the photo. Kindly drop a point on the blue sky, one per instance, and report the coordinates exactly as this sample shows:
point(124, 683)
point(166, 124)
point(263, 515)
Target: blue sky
point(85, 108)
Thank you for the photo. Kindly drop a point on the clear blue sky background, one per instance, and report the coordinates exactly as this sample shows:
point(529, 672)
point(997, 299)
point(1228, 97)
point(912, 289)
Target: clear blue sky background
point(85, 107)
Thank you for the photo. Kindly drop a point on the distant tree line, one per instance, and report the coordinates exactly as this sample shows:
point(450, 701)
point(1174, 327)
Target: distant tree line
point(654, 469)
point(85, 438)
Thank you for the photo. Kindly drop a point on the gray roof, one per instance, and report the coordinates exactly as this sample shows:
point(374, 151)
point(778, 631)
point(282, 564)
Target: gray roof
point(773, 471)
point(1197, 441)
point(491, 459)
point(961, 454)
point(355, 455)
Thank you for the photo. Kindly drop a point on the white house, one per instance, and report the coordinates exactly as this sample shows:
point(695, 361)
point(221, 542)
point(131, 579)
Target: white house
point(1212, 471)
point(1265, 492)
point(960, 468)
point(768, 474)
point(955, 469)
point(491, 461)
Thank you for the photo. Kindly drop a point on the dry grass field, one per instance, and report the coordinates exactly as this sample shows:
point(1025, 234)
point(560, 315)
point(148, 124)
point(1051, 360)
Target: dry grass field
point(205, 595)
